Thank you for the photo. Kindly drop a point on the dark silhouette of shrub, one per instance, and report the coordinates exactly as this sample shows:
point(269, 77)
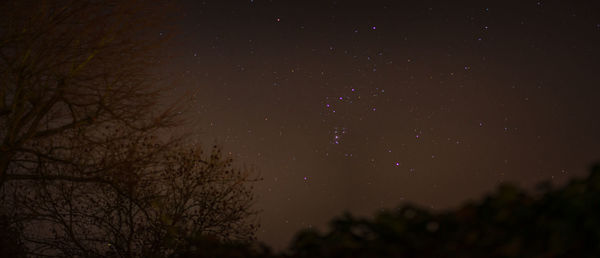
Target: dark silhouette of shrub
point(10, 244)
point(561, 222)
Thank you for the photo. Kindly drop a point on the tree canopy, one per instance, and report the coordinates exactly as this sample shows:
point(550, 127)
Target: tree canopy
point(86, 164)
point(559, 222)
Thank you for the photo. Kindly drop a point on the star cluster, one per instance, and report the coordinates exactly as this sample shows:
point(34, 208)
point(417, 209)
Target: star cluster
point(359, 106)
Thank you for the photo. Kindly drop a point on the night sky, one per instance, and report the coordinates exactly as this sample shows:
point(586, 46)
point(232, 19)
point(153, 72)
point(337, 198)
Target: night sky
point(363, 105)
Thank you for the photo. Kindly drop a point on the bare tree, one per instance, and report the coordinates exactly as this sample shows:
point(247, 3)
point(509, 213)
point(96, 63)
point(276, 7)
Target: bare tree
point(82, 172)
point(143, 208)
point(68, 69)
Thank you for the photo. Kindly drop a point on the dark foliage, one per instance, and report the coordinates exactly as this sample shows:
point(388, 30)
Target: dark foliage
point(207, 246)
point(562, 222)
point(10, 244)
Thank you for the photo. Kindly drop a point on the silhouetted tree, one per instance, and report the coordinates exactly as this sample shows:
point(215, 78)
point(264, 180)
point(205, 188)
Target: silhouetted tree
point(68, 69)
point(206, 246)
point(10, 240)
point(562, 222)
point(82, 171)
point(144, 209)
